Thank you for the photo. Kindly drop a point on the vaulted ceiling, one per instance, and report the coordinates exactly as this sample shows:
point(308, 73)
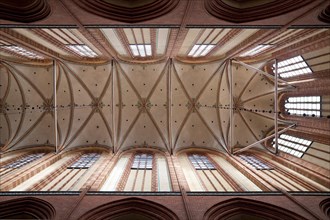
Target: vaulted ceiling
point(86, 82)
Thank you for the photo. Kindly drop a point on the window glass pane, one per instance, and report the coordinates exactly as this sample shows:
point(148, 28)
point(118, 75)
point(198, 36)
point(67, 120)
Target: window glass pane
point(255, 50)
point(201, 162)
point(142, 161)
point(306, 105)
point(25, 160)
point(199, 50)
point(292, 67)
point(141, 50)
point(82, 50)
point(22, 51)
point(293, 145)
point(85, 161)
point(256, 163)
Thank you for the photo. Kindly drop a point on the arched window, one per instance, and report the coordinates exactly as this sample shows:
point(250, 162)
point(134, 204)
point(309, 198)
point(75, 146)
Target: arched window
point(303, 105)
point(139, 171)
point(75, 175)
point(70, 173)
point(140, 176)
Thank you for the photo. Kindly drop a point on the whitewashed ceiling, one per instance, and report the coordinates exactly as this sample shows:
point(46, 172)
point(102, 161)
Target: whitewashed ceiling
point(115, 99)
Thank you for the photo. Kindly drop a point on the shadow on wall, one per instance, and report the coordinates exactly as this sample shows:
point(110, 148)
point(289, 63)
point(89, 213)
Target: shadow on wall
point(325, 207)
point(26, 208)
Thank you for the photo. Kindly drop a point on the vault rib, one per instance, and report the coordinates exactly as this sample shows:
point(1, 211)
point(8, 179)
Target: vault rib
point(8, 86)
point(119, 108)
point(218, 104)
point(80, 81)
point(28, 131)
point(246, 85)
point(129, 130)
point(63, 142)
point(27, 80)
point(148, 111)
point(181, 127)
point(79, 130)
point(140, 111)
point(158, 129)
point(210, 130)
point(9, 130)
point(19, 127)
point(4, 100)
point(106, 124)
point(189, 111)
point(169, 104)
point(200, 94)
point(250, 129)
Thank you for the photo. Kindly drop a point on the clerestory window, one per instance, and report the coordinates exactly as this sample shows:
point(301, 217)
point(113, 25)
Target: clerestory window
point(142, 162)
point(201, 162)
point(25, 160)
point(22, 51)
point(200, 50)
point(141, 50)
point(256, 50)
point(292, 67)
point(82, 49)
point(85, 161)
point(304, 105)
point(256, 163)
point(292, 145)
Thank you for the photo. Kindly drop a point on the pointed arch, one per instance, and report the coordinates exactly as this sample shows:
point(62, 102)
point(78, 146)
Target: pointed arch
point(241, 206)
point(325, 207)
point(138, 206)
point(27, 206)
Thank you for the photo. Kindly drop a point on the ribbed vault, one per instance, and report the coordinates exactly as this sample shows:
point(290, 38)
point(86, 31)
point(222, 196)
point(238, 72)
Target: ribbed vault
point(169, 105)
